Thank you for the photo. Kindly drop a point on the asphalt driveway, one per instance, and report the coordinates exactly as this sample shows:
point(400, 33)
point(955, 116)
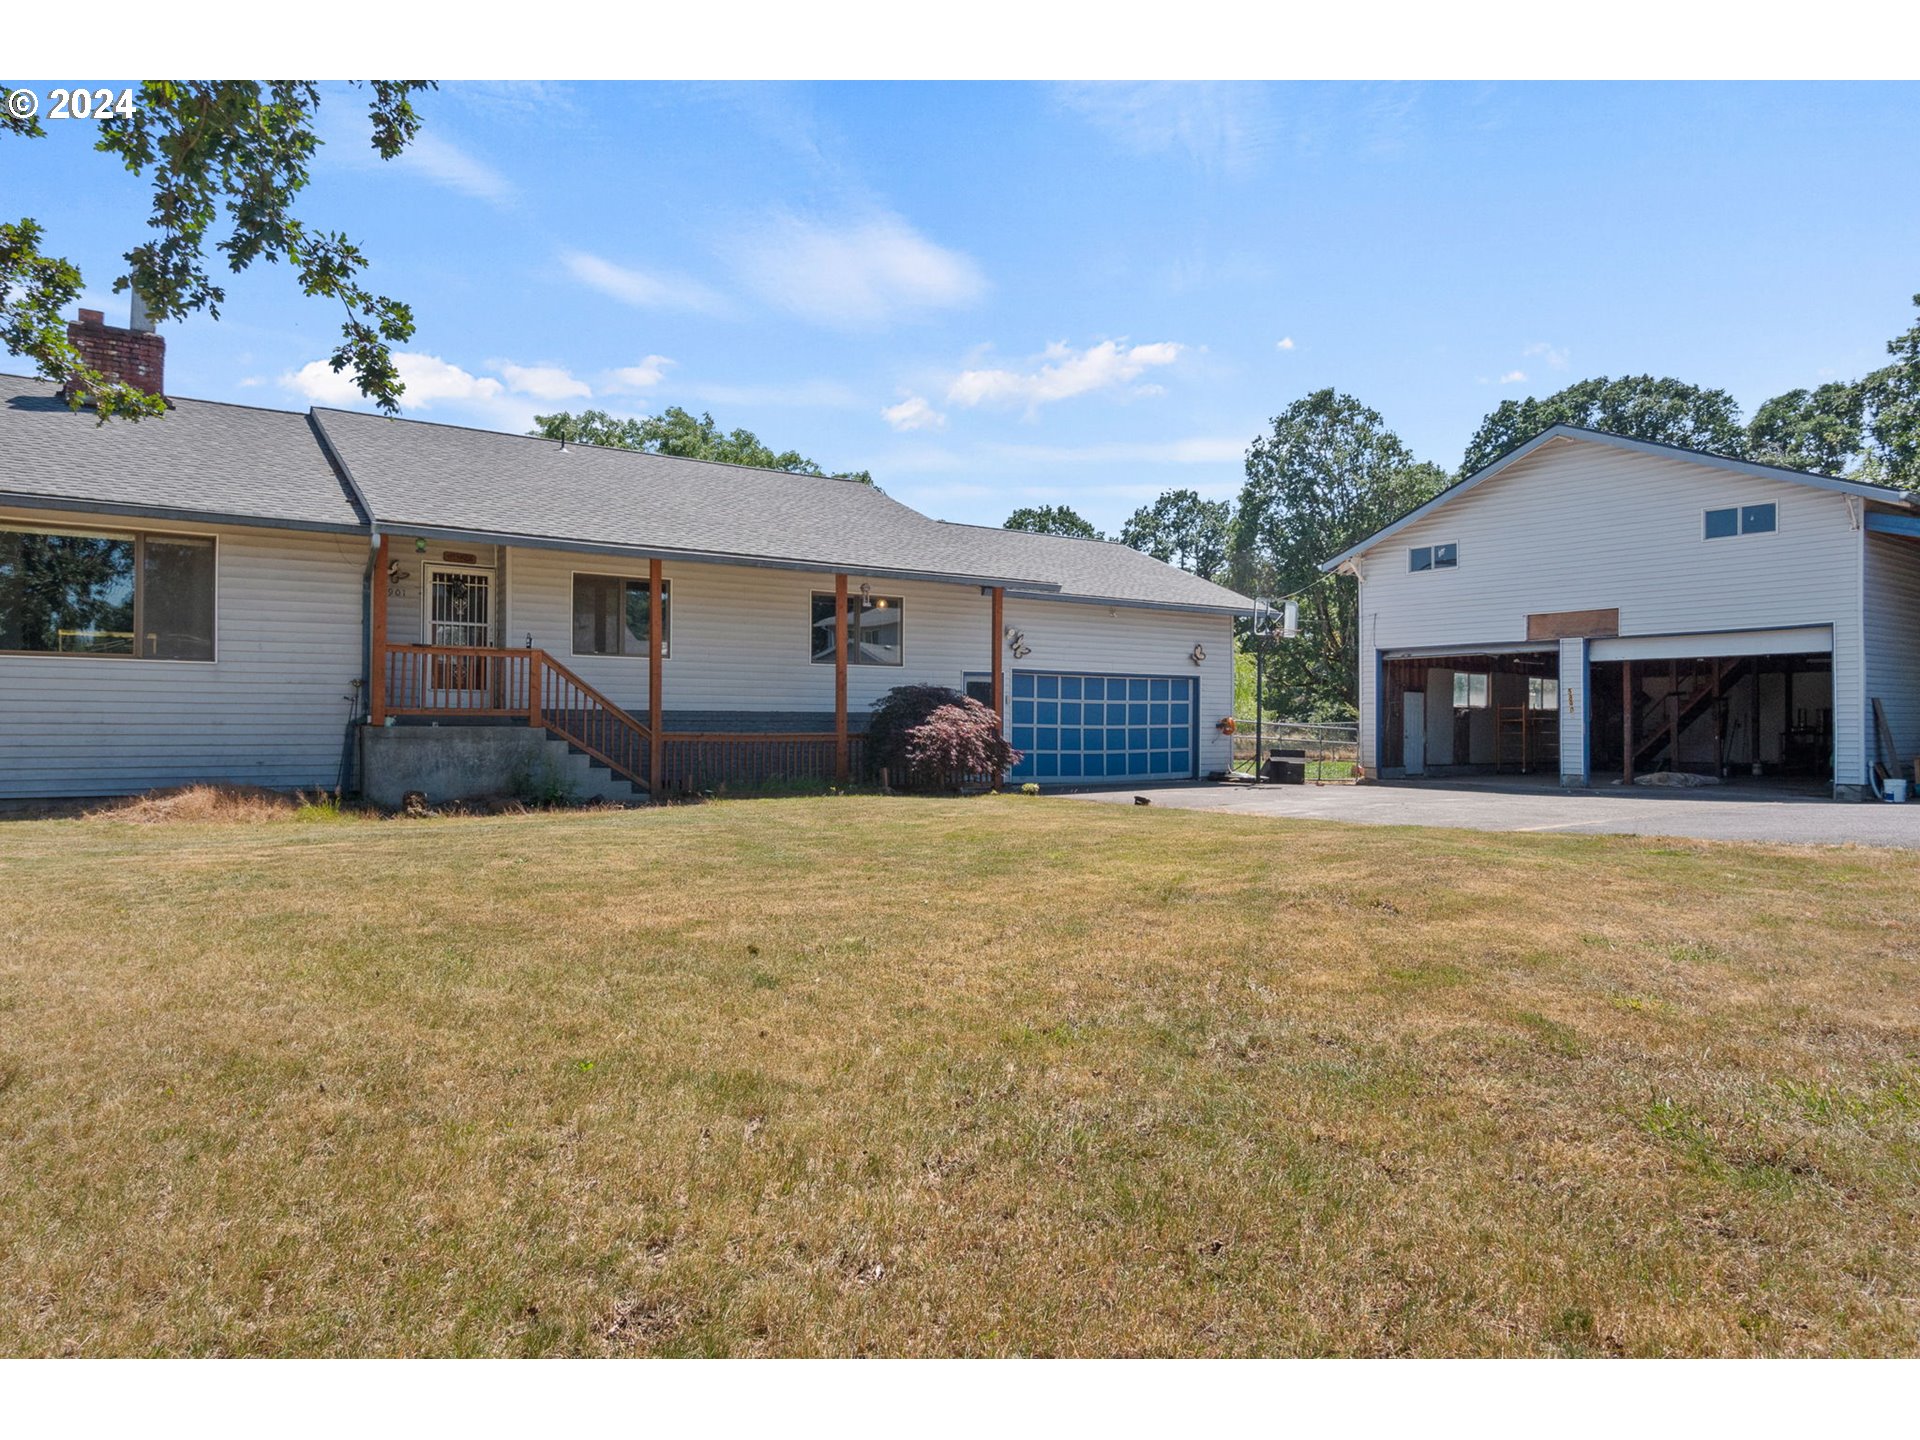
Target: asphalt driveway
point(1769, 814)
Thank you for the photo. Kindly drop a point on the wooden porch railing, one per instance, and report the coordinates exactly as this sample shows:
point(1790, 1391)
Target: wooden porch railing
point(478, 682)
point(690, 761)
point(482, 683)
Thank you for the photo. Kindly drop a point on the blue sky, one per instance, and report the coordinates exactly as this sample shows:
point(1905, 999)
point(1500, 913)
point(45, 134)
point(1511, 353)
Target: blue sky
point(996, 295)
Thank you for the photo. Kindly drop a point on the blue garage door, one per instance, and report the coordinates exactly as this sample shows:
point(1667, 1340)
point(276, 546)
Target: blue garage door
point(1099, 729)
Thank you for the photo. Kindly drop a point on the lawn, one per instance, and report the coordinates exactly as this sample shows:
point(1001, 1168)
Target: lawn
point(895, 1076)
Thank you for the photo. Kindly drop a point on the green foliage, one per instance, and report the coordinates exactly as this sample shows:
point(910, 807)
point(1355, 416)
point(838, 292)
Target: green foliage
point(541, 783)
point(1818, 430)
point(241, 148)
point(1052, 520)
point(1182, 529)
point(1328, 475)
point(1644, 407)
point(1892, 396)
point(895, 714)
point(681, 433)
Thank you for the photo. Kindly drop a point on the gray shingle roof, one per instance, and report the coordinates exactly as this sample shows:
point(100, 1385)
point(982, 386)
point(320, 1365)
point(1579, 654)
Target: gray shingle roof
point(483, 482)
point(414, 474)
point(216, 461)
point(1097, 569)
point(204, 459)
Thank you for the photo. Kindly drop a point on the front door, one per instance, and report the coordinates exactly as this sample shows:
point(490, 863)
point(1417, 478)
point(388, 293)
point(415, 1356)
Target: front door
point(459, 613)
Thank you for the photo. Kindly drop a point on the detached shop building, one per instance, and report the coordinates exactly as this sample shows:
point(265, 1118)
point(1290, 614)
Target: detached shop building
point(1595, 607)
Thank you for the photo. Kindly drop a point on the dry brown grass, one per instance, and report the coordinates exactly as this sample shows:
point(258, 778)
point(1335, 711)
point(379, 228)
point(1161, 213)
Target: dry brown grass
point(209, 805)
point(997, 1076)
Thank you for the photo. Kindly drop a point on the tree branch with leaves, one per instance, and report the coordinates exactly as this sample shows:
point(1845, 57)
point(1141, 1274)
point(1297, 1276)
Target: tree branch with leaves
point(227, 160)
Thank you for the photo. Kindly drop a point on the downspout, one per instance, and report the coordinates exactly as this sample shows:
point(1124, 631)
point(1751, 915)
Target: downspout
point(356, 716)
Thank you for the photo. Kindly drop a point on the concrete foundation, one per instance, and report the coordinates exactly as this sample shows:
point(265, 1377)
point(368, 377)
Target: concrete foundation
point(467, 762)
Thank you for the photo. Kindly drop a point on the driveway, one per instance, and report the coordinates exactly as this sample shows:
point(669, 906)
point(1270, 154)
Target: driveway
point(1769, 814)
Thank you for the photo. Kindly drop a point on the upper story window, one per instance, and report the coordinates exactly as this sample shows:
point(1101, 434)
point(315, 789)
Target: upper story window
point(1742, 520)
point(876, 620)
point(611, 615)
point(1433, 557)
point(146, 597)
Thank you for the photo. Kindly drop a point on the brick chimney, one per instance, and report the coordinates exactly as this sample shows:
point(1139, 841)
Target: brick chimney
point(135, 354)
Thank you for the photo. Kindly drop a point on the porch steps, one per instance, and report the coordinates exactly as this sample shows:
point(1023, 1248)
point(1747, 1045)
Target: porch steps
point(582, 777)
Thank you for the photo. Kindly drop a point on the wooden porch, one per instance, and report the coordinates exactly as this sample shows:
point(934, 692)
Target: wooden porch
point(532, 686)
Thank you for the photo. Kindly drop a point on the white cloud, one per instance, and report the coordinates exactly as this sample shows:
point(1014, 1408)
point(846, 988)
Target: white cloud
point(1284, 343)
point(1556, 356)
point(1514, 377)
point(913, 413)
point(543, 382)
point(644, 376)
point(432, 384)
point(429, 380)
point(1225, 125)
point(438, 159)
point(1062, 373)
point(640, 287)
point(861, 274)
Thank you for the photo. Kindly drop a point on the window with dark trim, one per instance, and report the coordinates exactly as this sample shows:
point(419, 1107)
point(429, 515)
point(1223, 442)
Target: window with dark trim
point(878, 620)
point(1433, 557)
point(128, 594)
point(611, 615)
point(1741, 520)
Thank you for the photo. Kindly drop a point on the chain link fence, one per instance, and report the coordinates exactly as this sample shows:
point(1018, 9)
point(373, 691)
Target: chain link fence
point(1332, 752)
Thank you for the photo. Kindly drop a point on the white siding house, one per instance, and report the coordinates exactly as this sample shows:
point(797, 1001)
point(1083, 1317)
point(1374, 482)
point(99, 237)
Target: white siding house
point(1594, 605)
point(271, 707)
point(250, 595)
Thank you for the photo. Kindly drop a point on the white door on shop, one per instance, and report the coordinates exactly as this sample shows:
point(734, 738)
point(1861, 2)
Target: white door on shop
point(1413, 732)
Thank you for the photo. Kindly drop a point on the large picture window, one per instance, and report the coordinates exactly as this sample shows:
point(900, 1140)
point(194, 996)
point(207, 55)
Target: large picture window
point(876, 620)
point(611, 615)
point(147, 597)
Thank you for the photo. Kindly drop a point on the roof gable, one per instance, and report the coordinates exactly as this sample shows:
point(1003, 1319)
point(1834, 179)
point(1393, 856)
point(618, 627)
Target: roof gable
point(1621, 442)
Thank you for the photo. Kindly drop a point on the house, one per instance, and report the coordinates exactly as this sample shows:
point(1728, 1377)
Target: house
point(1597, 607)
point(296, 600)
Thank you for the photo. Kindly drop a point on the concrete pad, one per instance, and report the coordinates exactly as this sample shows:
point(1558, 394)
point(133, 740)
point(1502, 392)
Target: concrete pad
point(1773, 815)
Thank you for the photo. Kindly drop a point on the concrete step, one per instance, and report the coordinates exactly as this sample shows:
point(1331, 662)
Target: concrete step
point(587, 779)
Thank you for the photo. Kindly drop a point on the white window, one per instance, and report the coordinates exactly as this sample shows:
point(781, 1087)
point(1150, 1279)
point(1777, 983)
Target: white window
point(147, 597)
point(1741, 520)
point(1543, 692)
point(1433, 557)
point(878, 620)
point(611, 615)
point(1469, 691)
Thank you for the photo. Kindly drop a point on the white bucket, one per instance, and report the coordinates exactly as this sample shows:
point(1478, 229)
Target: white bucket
point(1896, 792)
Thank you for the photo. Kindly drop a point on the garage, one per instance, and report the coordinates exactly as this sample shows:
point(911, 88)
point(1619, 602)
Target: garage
point(1105, 729)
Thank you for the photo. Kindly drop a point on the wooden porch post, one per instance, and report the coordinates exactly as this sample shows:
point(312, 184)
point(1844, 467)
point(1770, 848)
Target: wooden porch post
point(1626, 724)
point(1673, 715)
point(377, 648)
point(999, 650)
point(840, 679)
point(656, 637)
